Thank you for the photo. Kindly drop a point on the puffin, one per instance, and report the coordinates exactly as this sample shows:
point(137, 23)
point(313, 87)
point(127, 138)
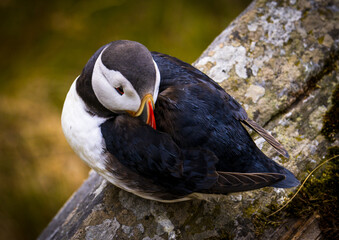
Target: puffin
point(159, 128)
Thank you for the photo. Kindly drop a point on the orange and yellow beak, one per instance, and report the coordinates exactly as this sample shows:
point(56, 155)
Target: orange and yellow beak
point(146, 111)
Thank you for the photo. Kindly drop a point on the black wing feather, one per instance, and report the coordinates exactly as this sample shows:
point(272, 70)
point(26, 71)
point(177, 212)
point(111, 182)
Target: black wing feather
point(154, 155)
point(238, 182)
point(175, 72)
point(187, 74)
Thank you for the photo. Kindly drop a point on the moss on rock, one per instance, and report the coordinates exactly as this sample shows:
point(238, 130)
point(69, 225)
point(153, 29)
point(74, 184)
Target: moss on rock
point(330, 127)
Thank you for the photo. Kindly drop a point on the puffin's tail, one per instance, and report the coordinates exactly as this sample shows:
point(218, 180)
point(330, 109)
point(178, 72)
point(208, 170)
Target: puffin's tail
point(264, 164)
point(264, 172)
point(289, 181)
point(228, 182)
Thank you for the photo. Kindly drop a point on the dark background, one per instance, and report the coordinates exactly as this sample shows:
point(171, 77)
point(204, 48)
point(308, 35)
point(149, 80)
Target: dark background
point(44, 46)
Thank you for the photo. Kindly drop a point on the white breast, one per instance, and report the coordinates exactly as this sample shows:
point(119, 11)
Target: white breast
point(82, 130)
point(83, 133)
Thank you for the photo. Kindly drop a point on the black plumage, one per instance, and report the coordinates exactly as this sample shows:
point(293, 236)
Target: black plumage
point(200, 144)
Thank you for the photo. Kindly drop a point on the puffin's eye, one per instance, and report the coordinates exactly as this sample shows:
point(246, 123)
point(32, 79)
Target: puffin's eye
point(120, 90)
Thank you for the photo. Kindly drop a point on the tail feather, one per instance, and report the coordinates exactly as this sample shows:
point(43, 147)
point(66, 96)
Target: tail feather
point(238, 182)
point(267, 136)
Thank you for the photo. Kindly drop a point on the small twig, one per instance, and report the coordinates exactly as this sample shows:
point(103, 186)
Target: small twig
point(308, 176)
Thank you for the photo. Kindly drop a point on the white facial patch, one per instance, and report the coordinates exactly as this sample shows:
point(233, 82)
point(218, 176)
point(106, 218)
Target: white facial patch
point(104, 82)
point(157, 82)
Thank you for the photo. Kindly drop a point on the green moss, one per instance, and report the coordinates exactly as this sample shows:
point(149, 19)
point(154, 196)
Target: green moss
point(318, 195)
point(299, 139)
point(321, 39)
point(321, 195)
point(252, 209)
point(269, 20)
point(331, 119)
point(289, 42)
point(304, 15)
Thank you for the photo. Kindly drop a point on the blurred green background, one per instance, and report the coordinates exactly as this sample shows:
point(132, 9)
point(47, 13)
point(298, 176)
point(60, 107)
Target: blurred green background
point(44, 46)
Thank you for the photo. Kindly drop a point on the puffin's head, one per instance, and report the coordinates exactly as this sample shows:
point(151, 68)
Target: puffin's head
point(126, 79)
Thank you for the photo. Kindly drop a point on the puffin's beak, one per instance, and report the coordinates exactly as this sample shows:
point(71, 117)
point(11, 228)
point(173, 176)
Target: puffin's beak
point(145, 111)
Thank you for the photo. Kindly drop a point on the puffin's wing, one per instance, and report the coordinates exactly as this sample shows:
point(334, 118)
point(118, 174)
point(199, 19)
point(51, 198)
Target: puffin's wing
point(155, 156)
point(171, 75)
point(187, 74)
point(238, 182)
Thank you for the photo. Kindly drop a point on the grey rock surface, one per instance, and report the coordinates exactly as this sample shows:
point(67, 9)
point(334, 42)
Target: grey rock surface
point(279, 59)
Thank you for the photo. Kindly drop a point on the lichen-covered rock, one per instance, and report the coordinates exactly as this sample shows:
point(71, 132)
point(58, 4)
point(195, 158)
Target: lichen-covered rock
point(280, 60)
